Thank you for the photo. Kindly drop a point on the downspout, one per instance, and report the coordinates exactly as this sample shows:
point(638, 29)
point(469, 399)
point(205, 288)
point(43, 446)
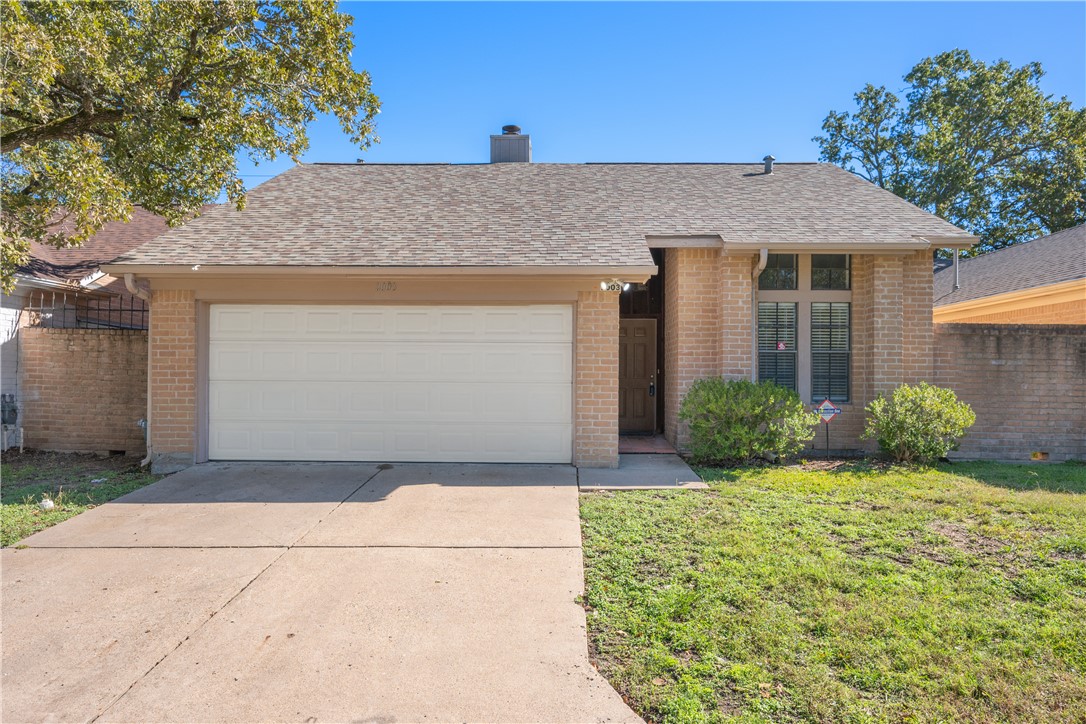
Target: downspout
point(957, 280)
point(130, 285)
point(763, 259)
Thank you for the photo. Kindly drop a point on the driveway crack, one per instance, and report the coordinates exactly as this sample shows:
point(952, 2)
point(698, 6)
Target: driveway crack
point(233, 598)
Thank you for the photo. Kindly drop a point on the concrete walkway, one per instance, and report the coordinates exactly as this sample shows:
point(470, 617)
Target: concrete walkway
point(641, 472)
point(268, 593)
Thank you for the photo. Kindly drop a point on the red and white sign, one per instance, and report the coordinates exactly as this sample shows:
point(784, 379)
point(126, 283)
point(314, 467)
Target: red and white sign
point(827, 410)
point(781, 346)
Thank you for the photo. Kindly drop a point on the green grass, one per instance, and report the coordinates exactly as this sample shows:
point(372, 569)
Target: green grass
point(955, 593)
point(65, 479)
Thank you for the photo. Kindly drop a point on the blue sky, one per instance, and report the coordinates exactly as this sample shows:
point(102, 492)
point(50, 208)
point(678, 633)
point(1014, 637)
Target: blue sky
point(662, 81)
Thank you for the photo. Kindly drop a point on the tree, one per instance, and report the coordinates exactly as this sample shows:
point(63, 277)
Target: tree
point(978, 145)
point(104, 105)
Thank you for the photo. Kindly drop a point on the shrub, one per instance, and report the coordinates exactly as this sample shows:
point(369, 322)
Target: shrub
point(918, 424)
point(735, 420)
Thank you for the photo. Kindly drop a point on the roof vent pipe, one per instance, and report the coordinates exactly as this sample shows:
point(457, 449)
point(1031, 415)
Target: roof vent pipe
point(769, 163)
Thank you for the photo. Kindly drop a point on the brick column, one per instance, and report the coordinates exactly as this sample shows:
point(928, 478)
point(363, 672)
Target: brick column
point(692, 328)
point(172, 370)
point(595, 430)
point(887, 323)
point(736, 324)
point(918, 329)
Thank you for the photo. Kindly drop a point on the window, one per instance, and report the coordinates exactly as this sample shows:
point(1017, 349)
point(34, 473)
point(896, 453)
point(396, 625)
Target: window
point(779, 273)
point(830, 350)
point(777, 343)
point(804, 334)
point(830, 271)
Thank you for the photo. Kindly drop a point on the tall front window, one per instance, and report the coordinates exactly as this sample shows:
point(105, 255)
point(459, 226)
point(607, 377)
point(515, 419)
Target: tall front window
point(805, 324)
point(830, 350)
point(777, 343)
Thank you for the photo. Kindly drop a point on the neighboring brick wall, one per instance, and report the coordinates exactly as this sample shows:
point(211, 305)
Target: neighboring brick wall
point(595, 433)
point(173, 373)
point(83, 390)
point(1073, 312)
point(693, 324)
point(1026, 384)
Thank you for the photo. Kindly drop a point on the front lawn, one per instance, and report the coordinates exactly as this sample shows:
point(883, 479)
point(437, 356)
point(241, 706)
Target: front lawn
point(853, 594)
point(74, 482)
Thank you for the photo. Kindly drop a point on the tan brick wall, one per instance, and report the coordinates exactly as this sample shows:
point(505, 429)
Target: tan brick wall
point(1073, 312)
point(736, 325)
point(887, 323)
point(693, 326)
point(595, 430)
point(173, 372)
point(1026, 384)
point(83, 390)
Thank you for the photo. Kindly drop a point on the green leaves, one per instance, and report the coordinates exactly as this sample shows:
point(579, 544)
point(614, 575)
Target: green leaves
point(918, 424)
point(109, 104)
point(736, 420)
point(976, 144)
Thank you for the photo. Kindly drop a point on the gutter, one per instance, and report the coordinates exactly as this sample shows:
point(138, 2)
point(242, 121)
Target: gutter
point(130, 285)
point(763, 259)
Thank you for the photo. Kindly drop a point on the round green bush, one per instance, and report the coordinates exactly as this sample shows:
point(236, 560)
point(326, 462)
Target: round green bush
point(918, 424)
point(736, 420)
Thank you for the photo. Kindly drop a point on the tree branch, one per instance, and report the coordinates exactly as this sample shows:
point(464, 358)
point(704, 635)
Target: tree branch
point(61, 129)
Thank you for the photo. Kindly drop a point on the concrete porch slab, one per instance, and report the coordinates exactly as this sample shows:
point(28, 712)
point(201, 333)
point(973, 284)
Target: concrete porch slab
point(641, 472)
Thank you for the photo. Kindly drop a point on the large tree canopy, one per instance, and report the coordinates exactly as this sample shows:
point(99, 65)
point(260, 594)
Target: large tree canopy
point(978, 145)
point(108, 104)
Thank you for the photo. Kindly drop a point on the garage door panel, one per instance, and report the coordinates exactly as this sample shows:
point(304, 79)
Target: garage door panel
point(449, 402)
point(552, 323)
point(410, 383)
point(473, 442)
point(481, 361)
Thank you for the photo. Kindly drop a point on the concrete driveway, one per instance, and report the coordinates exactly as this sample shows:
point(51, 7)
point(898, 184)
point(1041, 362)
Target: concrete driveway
point(260, 593)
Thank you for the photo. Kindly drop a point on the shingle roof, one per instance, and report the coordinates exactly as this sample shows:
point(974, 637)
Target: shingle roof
point(1059, 257)
point(521, 214)
point(112, 240)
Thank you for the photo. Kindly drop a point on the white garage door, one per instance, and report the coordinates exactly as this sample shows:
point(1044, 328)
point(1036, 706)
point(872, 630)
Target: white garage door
point(396, 383)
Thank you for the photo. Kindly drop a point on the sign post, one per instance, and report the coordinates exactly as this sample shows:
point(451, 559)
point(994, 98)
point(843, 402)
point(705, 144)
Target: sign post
point(827, 411)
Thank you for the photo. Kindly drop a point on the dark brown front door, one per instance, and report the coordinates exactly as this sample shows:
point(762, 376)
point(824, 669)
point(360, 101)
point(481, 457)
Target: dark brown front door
point(637, 375)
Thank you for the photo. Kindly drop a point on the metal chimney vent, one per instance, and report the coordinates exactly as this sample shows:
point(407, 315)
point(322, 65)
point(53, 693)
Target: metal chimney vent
point(511, 146)
point(769, 163)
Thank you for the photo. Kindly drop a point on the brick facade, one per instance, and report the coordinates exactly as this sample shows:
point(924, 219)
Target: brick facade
point(172, 353)
point(694, 310)
point(1026, 384)
point(83, 390)
point(595, 426)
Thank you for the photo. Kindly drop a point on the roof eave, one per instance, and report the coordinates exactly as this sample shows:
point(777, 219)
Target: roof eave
point(636, 272)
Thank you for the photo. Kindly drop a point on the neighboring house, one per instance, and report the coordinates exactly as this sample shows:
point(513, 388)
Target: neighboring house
point(482, 313)
point(67, 288)
point(1039, 282)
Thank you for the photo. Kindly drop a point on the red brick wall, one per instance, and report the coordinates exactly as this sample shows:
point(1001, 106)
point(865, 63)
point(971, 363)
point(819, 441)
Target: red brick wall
point(595, 433)
point(83, 390)
point(1026, 384)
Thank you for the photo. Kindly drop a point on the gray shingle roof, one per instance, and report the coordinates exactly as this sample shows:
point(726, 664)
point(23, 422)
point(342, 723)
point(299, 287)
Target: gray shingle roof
point(519, 214)
point(1059, 257)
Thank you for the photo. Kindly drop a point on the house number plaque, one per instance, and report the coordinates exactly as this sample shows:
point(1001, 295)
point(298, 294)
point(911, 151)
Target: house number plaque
point(386, 286)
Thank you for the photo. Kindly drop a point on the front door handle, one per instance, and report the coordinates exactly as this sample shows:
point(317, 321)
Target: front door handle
point(652, 389)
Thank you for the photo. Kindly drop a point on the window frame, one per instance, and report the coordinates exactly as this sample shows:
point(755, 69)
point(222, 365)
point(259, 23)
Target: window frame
point(804, 295)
